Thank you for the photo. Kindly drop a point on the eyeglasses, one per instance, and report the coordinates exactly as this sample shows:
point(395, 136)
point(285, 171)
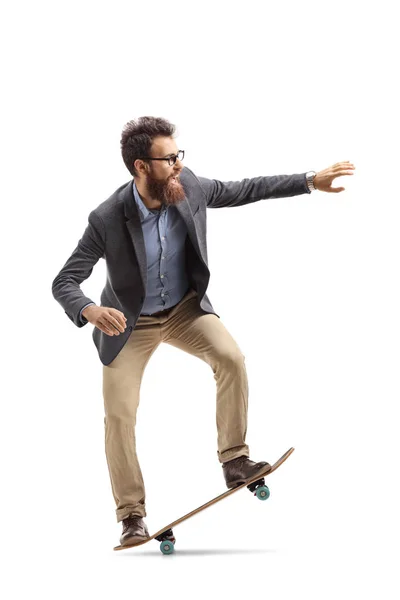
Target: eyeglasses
point(171, 159)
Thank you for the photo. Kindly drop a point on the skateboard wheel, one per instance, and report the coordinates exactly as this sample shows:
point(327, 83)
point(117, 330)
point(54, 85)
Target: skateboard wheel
point(262, 492)
point(167, 547)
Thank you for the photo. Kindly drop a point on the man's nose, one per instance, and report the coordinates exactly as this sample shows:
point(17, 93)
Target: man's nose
point(178, 164)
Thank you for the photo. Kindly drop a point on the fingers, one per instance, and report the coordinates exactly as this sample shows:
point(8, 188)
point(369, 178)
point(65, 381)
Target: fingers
point(340, 169)
point(109, 329)
point(117, 325)
point(103, 326)
point(344, 166)
point(112, 323)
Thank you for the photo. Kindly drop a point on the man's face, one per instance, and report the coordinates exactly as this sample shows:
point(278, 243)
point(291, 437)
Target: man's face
point(162, 180)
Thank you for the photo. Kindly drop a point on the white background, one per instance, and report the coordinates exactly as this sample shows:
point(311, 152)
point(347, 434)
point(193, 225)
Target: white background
point(307, 285)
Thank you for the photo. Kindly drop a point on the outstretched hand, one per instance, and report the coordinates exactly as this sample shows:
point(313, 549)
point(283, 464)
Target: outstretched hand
point(323, 179)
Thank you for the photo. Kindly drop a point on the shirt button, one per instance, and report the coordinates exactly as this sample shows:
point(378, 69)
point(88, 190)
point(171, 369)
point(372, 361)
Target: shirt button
point(162, 295)
point(162, 276)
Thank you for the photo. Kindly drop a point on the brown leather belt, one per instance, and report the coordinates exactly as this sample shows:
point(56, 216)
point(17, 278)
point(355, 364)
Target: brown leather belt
point(160, 312)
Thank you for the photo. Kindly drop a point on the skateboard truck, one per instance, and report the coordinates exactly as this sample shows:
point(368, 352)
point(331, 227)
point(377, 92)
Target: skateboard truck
point(259, 489)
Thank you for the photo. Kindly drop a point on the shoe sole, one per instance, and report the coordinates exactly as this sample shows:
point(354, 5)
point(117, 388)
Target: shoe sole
point(238, 482)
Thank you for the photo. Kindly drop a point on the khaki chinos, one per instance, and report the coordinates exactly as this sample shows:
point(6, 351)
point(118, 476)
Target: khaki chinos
point(188, 327)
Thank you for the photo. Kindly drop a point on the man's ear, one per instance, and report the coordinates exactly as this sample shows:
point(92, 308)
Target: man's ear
point(140, 164)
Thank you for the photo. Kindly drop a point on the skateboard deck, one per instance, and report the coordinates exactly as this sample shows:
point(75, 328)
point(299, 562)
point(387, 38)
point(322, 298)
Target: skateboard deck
point(256, 485)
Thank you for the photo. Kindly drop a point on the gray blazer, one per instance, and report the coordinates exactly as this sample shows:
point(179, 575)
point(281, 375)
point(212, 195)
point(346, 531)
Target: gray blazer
point(114, 233)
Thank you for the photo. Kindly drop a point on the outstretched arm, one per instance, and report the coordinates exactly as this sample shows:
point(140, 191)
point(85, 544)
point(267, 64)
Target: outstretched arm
point(221, 194)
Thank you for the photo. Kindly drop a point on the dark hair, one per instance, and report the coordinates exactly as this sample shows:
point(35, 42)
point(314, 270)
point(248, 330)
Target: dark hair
point(137, 138)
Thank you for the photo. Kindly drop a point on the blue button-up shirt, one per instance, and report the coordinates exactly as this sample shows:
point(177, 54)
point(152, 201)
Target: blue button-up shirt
point(164, 233)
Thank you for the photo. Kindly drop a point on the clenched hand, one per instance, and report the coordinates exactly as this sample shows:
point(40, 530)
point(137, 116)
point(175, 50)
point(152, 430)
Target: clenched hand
point(109, 320)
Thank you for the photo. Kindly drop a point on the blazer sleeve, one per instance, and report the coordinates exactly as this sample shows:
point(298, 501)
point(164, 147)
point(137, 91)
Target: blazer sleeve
point(79, 266)
point(81, 317)
point(221, 194)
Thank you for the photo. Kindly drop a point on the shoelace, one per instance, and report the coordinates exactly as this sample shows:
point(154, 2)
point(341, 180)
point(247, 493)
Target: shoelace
point(239, 460)
point(130, 520)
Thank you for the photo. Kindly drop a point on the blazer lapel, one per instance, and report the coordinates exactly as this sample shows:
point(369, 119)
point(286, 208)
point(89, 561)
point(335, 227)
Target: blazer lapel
point(135, 231)
point(186, 214)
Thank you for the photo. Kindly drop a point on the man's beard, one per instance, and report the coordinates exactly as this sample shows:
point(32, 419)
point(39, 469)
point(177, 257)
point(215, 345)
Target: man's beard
point(166, 192)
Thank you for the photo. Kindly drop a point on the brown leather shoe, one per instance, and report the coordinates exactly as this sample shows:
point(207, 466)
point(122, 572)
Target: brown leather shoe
point(134, 530)
point(241, 469)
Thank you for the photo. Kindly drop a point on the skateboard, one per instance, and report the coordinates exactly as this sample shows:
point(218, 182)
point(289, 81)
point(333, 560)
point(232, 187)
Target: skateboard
point(256, 485)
